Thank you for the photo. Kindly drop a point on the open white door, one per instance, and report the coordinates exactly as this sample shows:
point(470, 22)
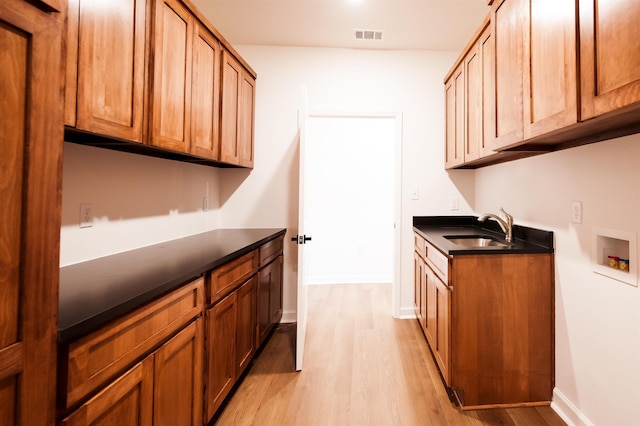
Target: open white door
point(301, 310)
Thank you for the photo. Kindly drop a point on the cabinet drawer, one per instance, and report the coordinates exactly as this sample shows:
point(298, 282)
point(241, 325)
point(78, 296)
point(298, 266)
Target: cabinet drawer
point(438, 262)
point(98, 357)
point(270, 251)
point(230, 275)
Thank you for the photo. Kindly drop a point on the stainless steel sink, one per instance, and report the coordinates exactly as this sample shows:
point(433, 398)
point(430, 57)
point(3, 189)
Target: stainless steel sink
point(475, 241)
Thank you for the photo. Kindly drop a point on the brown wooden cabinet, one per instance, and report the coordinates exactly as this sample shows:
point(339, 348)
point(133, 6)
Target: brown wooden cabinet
point(455, 118)
point(489, 324)
point(106, 60)
point(469, 98)
point(269, 298)
point(30, 172)
point(205, 94)
point(164, 389)
point(163, 331)
point(247, 301)
point(231, 331)
point(609, 57)
point(556, 81)
point(221, 353)
point(177, 380)
point(170, 83)
point(237, 120)
point(166, 91)
point(535, 87)
point(479, 80)
point(128, 401)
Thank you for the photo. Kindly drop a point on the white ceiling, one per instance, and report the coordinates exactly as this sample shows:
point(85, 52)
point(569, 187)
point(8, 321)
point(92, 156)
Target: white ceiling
point(407, 24)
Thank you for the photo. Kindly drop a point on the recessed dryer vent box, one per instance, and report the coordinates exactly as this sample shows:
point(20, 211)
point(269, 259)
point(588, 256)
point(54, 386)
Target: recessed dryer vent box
point(614, 243)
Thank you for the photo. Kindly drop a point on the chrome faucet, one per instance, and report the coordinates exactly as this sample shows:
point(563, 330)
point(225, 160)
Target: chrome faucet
point(507, 226)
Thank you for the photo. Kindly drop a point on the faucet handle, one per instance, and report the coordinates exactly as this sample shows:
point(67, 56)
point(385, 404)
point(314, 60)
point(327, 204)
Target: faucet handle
point(509, 217)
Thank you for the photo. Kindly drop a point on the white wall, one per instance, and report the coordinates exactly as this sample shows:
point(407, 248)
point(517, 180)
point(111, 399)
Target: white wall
point(138, 201)
point(597, 318)
point(344, 81)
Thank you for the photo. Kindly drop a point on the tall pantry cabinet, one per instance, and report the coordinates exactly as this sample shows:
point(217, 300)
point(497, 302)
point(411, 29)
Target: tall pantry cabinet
point(31, 107)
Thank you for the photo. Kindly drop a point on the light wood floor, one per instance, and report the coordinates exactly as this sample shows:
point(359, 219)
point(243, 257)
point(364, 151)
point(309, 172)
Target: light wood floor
point(361, 367)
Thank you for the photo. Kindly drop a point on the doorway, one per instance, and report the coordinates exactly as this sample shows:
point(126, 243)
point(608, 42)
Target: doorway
point(352, 177)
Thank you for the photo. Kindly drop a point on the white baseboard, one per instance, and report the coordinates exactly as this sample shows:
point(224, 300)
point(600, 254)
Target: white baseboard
point(288, 317)
point(407, 313)
point(567, 411)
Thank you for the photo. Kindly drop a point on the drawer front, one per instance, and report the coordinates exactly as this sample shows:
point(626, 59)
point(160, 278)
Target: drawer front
point(95, 359)
point(271, 250)
point(230, 275)
point(438, 262)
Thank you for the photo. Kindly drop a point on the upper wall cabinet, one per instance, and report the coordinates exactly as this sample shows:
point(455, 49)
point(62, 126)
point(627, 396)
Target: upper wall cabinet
point(170, 83)
point(150, 72)
point(535, 62)
point(205, 94)
point(469, 103)
point(238, 98)
point(560, 76)
point(106, 59)
point(609, 56)
point(455, 118)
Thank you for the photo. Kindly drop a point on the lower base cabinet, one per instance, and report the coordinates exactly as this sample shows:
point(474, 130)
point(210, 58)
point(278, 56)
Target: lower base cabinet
point(269, 298)
point(231, 325)
point(163, 389)
point(489, 324)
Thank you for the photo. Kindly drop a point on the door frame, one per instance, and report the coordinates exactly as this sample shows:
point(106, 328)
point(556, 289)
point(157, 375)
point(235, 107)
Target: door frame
point(396, 284)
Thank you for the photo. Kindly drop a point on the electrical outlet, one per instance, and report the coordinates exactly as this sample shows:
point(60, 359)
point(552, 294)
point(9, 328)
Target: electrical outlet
point(86, 215)
point(576, 212)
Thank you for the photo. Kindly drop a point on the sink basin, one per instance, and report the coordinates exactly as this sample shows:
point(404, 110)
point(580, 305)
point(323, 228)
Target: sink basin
point(475, 241)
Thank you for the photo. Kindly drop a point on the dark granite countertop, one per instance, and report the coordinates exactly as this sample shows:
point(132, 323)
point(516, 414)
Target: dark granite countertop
point(525, 239)
point(97, 291)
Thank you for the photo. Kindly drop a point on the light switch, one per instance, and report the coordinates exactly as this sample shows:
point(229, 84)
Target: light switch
point(454, 203)
point(415, 193)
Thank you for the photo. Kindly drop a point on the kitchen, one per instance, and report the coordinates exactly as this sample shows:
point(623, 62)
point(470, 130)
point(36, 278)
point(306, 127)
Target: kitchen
point(597, 318)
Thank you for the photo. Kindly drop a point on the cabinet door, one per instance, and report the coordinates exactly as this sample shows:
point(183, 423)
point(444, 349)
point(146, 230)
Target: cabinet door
point(479, 98)
point(106, 65)
point(30, 158)
point(269, 298)
point(178, 389)
point(550, 60)
point(431, 310)
point(126, 402)
point(507, 28)
point(246, 324)
point(246, 119)
point(455, 125)
point(231, 77)
point(417, 273)
point(473, 139)
point(171, 81)
point(609, 56)
point(205, 94)
point(276, 291)
point(442, 346)
point(221, 350)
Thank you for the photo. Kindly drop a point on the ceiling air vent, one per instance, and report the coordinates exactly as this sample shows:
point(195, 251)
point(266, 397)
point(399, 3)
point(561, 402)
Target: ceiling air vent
point(368, 34)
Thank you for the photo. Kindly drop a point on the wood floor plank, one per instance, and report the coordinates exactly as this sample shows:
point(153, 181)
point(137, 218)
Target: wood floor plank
point(362, 367)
